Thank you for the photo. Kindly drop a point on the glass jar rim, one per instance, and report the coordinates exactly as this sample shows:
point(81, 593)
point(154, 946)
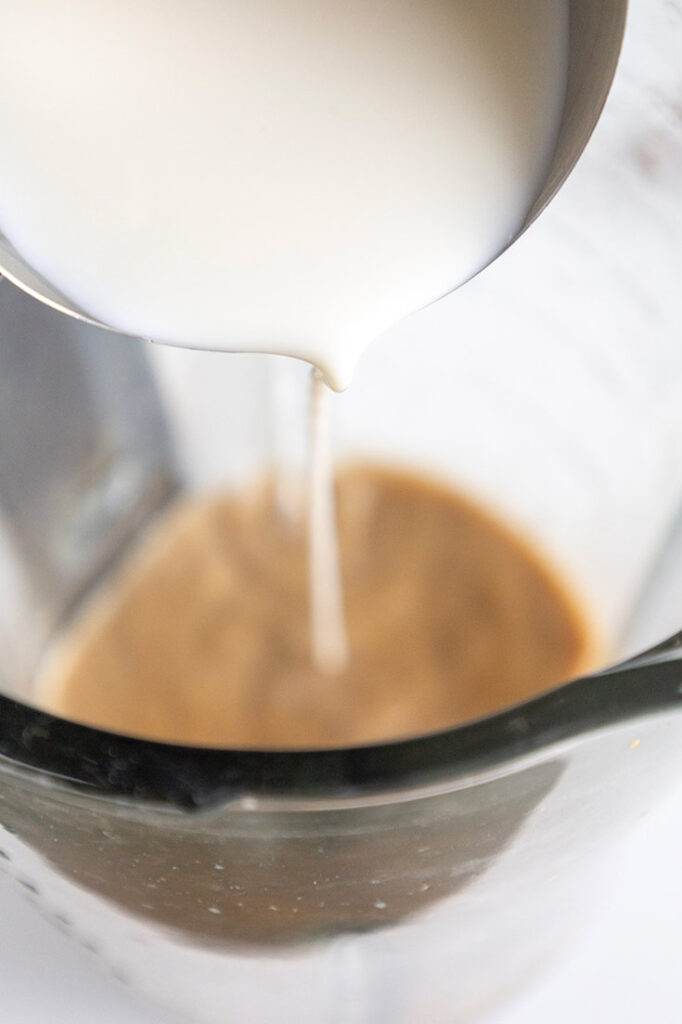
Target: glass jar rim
point(114, 765)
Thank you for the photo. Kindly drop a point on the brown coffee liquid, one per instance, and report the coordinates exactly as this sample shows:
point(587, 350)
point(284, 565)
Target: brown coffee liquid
point(204, 635)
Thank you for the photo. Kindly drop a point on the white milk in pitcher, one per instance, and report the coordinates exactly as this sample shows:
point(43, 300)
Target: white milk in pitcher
point(287, 176)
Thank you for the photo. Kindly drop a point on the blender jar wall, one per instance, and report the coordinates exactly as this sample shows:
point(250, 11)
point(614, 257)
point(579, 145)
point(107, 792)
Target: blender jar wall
point(85, 461)
point(95, 442)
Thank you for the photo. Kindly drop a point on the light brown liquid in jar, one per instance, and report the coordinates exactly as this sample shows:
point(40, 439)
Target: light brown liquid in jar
point(203, 637)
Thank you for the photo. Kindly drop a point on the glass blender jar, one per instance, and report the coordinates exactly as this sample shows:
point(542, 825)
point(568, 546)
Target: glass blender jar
point(415, 880)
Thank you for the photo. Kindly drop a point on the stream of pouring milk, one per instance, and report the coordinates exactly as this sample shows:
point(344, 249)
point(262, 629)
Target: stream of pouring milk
point(285, 176)
point(328, 634)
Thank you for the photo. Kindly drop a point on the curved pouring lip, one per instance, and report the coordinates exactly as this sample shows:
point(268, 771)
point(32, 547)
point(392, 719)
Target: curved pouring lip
point(113, 765)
